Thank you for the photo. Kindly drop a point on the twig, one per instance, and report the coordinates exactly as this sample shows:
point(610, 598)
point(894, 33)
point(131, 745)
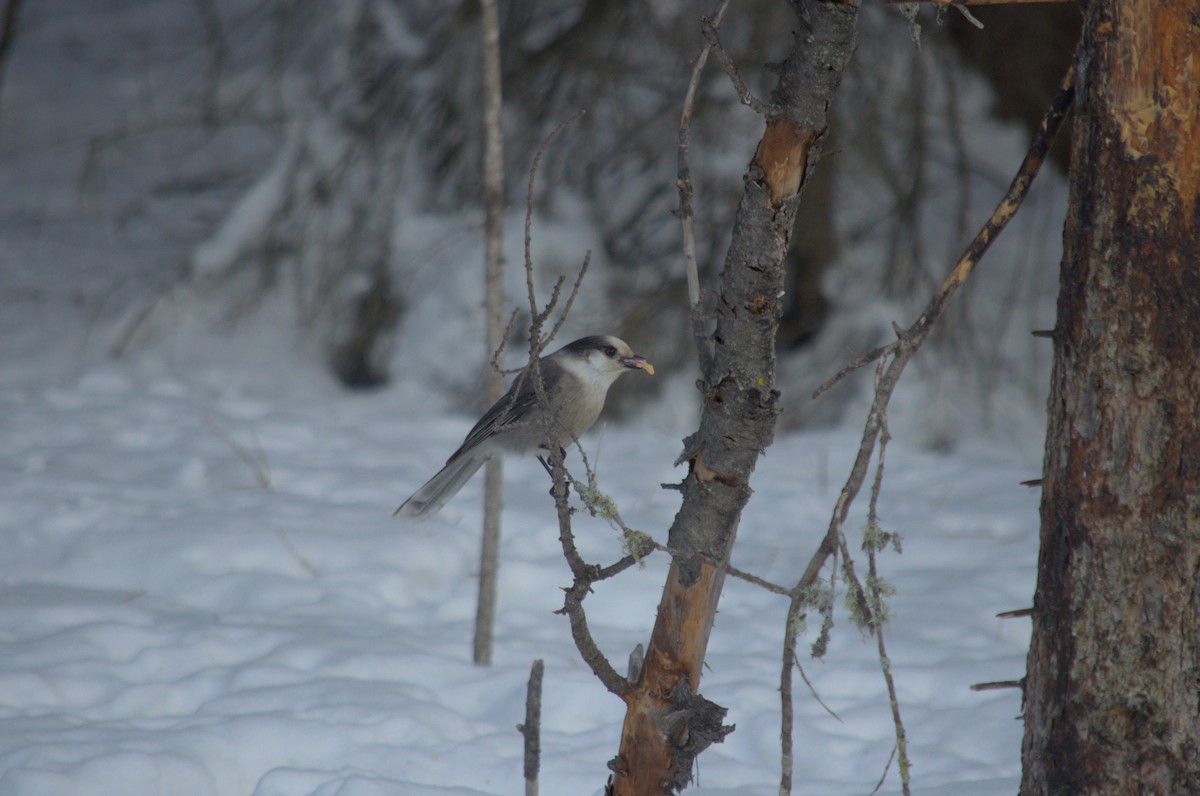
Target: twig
point(872, 546)
point(813, 690)
point(1015, 614)
point(999, 685)
point(584, 574)
point(531, 730)
point(866, 359)
point(686, 215)
point(495, 360)
point(709, 29)
point(887, 767)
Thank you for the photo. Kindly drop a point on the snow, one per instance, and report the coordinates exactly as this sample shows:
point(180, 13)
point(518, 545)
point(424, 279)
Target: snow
point(203, 592)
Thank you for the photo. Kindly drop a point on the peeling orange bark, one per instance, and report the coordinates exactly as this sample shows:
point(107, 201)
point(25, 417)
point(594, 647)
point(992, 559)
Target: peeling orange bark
point(782, 155)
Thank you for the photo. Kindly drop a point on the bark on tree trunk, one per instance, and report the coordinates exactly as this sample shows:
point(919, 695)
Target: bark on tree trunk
point(667, 722)
point(1113, 677)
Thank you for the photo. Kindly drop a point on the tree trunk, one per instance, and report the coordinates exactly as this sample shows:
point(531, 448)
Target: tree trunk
point(1113, 677)
point(667, 722)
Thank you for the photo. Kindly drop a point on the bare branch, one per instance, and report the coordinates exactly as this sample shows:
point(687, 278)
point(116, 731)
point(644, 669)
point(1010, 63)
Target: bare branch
point(864, 360)
point(709, 28)
point(998, 685)
point(872, 545)
point(1015, 614)
point(686, 215)
point(887, 767)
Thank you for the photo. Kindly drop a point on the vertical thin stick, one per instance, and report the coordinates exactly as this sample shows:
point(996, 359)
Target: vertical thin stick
point(532, 728)
point(684, 184)
point(493, 277)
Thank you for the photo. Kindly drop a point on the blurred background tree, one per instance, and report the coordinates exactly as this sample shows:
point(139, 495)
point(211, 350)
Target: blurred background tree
point(326, 157)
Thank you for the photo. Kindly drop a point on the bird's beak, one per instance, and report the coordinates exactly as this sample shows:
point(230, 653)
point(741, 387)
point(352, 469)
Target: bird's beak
point(639, 362)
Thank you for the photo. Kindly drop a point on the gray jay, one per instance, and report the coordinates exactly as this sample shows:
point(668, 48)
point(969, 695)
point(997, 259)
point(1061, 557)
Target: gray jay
point(576, 377)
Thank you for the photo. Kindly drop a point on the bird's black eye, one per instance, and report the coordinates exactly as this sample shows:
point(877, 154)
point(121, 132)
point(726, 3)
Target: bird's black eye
point(609, 351)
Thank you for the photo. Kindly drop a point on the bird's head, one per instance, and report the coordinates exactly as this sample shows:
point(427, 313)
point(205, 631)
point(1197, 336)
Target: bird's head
point(602, 358)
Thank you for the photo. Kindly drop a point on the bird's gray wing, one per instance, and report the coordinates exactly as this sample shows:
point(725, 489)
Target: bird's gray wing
point(517, 406)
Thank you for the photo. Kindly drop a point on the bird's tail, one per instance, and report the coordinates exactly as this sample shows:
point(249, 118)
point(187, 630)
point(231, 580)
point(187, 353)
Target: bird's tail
point(429, 499)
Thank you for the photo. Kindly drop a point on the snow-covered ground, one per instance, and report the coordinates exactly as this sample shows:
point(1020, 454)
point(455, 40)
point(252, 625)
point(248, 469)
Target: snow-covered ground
point(202, 592)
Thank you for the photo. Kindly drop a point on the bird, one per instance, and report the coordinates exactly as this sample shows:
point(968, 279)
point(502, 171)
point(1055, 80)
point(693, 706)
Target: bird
point(576, 379)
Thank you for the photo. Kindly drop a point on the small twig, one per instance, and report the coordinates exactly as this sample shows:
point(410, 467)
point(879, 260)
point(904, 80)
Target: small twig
point(999, 685)
point(709, 29)
point(873, 583)
point(866, 359)
point(887, 767)
point(686, 215)
point(1015, 614)
point(531, 730)
point(1032, 482)
point(495, 360)
point(584, 574)
point(812, 690)
point(685, 175)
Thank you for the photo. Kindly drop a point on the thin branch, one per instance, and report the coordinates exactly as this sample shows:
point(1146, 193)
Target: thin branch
point(872, 544)
point(1019, 612)
point(686, 215)
point(584, 574)
point(813, 690)
point(709, 29)
point(999, 685)
point(887, 767)
point(685, 175)
point(862, 361)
